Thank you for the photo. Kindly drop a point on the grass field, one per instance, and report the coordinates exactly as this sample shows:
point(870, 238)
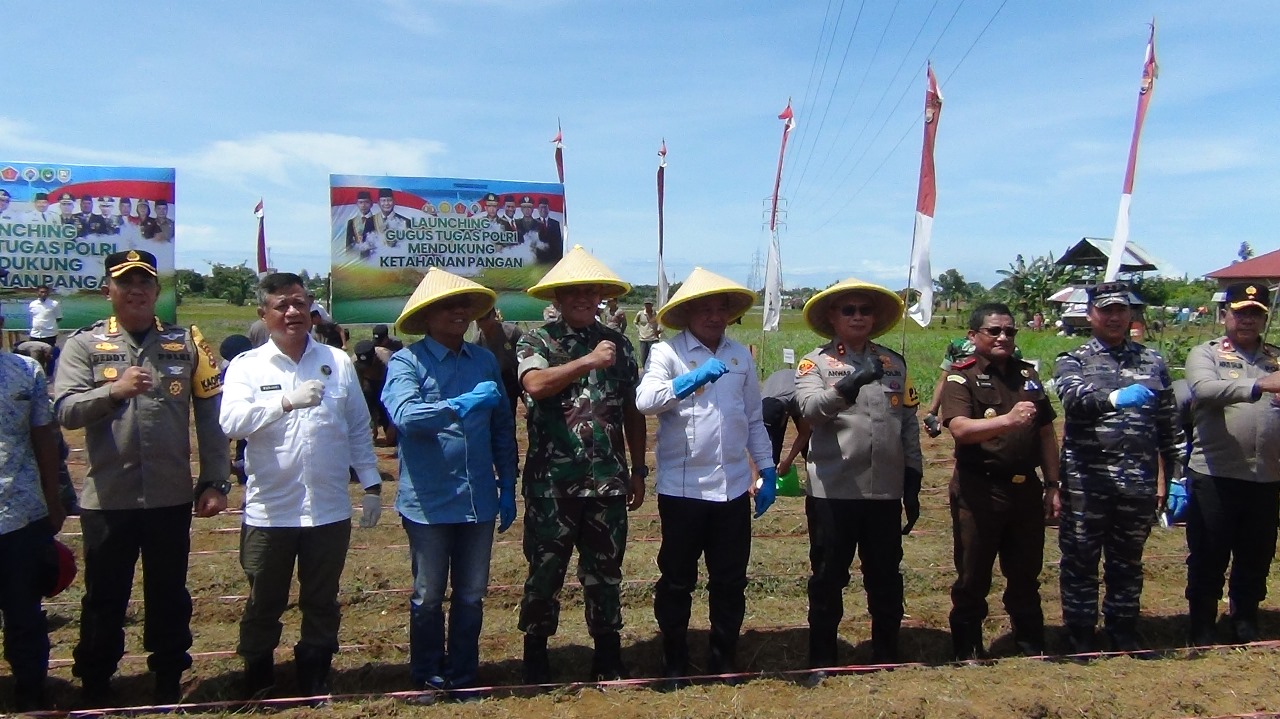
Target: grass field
point(373, 663)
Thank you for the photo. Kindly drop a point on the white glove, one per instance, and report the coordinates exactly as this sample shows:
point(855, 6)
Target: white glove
point(307, 394)
point(370, 509)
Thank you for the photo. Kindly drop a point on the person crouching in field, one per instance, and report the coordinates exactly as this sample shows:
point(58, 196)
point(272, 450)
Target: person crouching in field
point(458, 461)
point(298, 403)
point(703, 388)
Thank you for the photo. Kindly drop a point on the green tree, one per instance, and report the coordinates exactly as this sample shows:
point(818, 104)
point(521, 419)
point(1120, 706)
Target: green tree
point(188, 282)
point(951, 288)
point(1027, 285)
point(233, 283)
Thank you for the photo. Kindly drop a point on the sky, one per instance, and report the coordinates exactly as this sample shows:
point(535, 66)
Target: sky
point(266, 100)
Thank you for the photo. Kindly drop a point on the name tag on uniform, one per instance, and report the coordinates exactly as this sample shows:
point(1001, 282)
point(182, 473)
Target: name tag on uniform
point(269, 388)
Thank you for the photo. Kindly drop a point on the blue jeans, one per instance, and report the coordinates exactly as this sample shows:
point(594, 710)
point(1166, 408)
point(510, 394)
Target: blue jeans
point(441, 553)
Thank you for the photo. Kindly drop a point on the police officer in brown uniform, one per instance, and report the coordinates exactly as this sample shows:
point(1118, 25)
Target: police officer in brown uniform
point(996, 410)
point(133, 382)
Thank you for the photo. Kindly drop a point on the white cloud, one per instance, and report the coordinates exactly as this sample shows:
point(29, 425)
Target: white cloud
point(277, 156)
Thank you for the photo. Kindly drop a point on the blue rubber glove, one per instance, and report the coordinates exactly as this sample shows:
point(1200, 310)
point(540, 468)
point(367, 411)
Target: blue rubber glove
point(484, 396)
point(768, 490)
point(506, 508)
point(1135, 395)
point(1175, 505)
point(687, 383)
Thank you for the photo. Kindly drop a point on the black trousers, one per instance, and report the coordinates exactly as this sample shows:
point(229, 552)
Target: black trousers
point(775, 423)
point(113, 540)
point(839, 529)
point(26, 631)
point(692, 528)
point(1230, 520)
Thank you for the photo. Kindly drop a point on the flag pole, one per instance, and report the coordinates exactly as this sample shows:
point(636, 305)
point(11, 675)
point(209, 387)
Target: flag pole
point(662, 268)
point(1150, 71)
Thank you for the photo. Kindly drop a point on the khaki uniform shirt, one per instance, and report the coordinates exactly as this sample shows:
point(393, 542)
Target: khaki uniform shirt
point(140, 449)
point(858, 451)
point(977, 389)
point(1237, 427)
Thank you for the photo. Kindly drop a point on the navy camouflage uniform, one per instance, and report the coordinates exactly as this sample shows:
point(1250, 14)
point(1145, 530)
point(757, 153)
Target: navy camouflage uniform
point(575, 478)
point(1109, 471)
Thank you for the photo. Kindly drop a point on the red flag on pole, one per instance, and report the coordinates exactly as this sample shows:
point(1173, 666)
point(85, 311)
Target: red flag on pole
point(662, 270)
point(920, 274)
point(558, 140)
point(1150, 70)
point(787, 126)
point(262, 239)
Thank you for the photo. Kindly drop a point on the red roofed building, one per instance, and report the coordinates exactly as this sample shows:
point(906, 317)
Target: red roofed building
point(1263, 269)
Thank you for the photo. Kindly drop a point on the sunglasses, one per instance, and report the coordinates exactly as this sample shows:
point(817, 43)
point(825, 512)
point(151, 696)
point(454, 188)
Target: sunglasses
point(453, 303)
point(852, 310)
point(1009, 332)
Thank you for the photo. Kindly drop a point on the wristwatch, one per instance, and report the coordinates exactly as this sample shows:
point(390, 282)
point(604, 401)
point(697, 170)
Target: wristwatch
point(640, 470)
point(223, 486)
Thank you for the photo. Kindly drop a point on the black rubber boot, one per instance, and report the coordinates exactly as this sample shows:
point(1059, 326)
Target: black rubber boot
point(966, 641)
point(675, 656)
point(168, 689)
point(1028, 635)
point(1202, 620)
point(884, 641)
point(1081, 640)
point(1244, 622)
point(259, 676)
point(1123, 634)
point(97, 693)
point(606, 663)
point(312, 670)
point(30, 697)
point(537, 665)
point(823, 651)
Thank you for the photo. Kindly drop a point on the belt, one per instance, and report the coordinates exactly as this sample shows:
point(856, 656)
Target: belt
point(999, 475)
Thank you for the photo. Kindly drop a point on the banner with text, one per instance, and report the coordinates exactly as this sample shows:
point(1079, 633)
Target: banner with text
point(57, 224)
point(387, 231)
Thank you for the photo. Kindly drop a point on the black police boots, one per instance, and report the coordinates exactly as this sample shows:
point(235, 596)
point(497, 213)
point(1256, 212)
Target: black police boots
point(606, 663)
point(1123, 634)
point(1028, 635)
point(168, 687)
point(537, 665)
point(884, 641)
point(1202, 619)
point(1244, 622)
point(259, 676)
point(966, 641)
point(1081, 640)
point(312, 667)
point(823, 648)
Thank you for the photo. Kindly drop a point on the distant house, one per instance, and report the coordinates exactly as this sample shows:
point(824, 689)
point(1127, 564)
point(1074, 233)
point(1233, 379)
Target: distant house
point(1263, 269)
point(1095, 251)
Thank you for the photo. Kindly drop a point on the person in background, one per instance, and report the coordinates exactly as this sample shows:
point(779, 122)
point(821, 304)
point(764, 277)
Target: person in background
point(45, 313)
point(297, 402)
point(1002, 422)
point(133, 383)
point(457, 472)
point(648, 331)
point(32, 514)
point(234, 346)
point(702, 386)
point(501, 339)
point(580, 379)
point(1120, 426)
point(371, 367)
point(778, 402)
point(1233, 475)
point(325, 331)
point(864, 465)
point(614, 318)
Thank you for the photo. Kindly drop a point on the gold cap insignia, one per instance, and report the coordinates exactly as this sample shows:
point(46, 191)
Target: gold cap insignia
point(133, 256)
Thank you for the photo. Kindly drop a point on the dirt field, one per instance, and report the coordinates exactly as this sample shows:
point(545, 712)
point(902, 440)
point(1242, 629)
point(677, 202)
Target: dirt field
point(372, 663)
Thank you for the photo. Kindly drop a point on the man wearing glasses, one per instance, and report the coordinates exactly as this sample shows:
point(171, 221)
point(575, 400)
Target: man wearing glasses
point(1120, 424)
point(996, 410)
point(864, 463)
point(1234, 471)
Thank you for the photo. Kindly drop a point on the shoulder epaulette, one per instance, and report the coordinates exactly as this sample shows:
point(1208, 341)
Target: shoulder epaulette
point(965, 363)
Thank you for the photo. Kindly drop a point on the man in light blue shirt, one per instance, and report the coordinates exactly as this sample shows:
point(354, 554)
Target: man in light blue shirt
point(457, 446)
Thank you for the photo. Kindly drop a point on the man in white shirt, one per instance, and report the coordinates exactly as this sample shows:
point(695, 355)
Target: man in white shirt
point(45, 314)
point(703, 388)
point(299, 404)
point(6, 214)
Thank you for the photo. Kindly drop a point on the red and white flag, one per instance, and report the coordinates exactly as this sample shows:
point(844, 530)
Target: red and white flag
point(920, 275)
point(262, 239)
point(558, 141)
point(772, 310)
point(1150, 70)
point(662, 269)
point(787, 127)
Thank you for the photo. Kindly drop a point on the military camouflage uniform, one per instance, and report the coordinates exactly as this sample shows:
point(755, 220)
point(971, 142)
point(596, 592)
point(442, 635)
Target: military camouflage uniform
point(575, 478)
point(1110, 465)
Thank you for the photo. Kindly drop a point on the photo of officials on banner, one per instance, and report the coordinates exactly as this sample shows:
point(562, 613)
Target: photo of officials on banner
point(58, 223)
point(388, 231)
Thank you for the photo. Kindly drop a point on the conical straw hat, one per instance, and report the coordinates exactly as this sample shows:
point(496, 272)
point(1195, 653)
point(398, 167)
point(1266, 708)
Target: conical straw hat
point(579, 267)
point(888, 307)
point(701, 283)
point(438, 285)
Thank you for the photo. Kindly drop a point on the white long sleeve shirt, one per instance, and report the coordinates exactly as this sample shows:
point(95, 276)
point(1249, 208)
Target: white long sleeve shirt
point(298, 462)
point(704, 439)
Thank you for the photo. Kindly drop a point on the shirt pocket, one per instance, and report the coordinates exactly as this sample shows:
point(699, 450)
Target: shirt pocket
point(985, 398)
point(108, 372)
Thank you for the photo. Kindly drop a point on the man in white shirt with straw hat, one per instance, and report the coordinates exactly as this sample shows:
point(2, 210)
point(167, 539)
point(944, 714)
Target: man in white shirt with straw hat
point(458, 455)
point(864, 463)
point(580, 380)
point(702, 386)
